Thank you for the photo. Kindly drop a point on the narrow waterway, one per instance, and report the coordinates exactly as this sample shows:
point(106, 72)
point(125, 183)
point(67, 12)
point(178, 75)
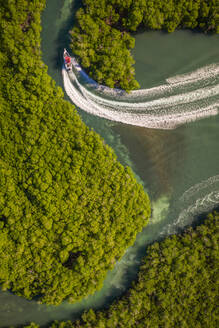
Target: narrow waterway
point(178, 167)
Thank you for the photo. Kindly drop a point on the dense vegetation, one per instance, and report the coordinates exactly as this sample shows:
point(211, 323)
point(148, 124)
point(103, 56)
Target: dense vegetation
point(104, 51)
point(101, 36)
point(68, 208)
point(177, 286)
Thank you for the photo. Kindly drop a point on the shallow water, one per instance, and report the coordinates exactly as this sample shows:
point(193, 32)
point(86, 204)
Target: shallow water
point(178, 167)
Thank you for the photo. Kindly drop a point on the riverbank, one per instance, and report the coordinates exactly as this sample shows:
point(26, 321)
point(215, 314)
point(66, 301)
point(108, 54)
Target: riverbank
point(102, 41)
point(66, 199)
point(190, 146)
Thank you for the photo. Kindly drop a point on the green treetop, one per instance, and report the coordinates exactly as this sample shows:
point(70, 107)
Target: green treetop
point(68, 208)
point(101, 38)
point(177, 286)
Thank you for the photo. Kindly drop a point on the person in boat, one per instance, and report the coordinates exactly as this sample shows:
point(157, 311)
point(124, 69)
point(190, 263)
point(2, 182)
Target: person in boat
point(67, 60)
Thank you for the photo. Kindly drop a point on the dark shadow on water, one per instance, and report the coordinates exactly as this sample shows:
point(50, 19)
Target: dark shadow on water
point(201, 218)
point(142, 29)
point(64, 38)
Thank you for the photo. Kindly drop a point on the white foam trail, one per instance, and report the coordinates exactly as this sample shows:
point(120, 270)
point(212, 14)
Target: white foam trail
point(168, 121)
point(166, 111)
point(199, 186)
point(197, 75)
point(206, 73)
point(201, 198)
point(154, 104)
point(201, 205)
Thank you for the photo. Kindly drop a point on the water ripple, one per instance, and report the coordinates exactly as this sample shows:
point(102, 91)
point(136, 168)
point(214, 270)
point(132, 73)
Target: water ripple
point(185, 98)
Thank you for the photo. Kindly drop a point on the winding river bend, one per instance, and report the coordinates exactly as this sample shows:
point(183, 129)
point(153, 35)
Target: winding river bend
point(177, 164)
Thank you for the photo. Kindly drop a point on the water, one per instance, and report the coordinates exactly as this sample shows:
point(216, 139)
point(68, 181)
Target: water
point(178, 167)
point(166, 106)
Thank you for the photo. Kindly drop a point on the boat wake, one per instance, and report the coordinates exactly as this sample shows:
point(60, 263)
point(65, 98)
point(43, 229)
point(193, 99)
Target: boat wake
point(200, 198)
point(184, 98)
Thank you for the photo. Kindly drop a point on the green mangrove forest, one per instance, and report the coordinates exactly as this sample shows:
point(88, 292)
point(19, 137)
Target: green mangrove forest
point(102, 41)
point(177, 286)
point(68, 208)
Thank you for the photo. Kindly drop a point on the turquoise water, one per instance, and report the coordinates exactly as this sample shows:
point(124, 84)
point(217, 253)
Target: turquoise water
point(178, 167)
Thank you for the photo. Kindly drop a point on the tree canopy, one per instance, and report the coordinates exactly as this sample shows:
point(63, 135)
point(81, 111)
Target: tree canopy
point(177, 286)
point(101, 38)
point(68, 208)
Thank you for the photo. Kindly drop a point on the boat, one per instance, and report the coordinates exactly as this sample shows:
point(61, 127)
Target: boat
point(67, 60)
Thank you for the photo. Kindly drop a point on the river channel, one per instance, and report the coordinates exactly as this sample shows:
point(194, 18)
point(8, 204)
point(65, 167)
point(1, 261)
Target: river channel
point(178, 165)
